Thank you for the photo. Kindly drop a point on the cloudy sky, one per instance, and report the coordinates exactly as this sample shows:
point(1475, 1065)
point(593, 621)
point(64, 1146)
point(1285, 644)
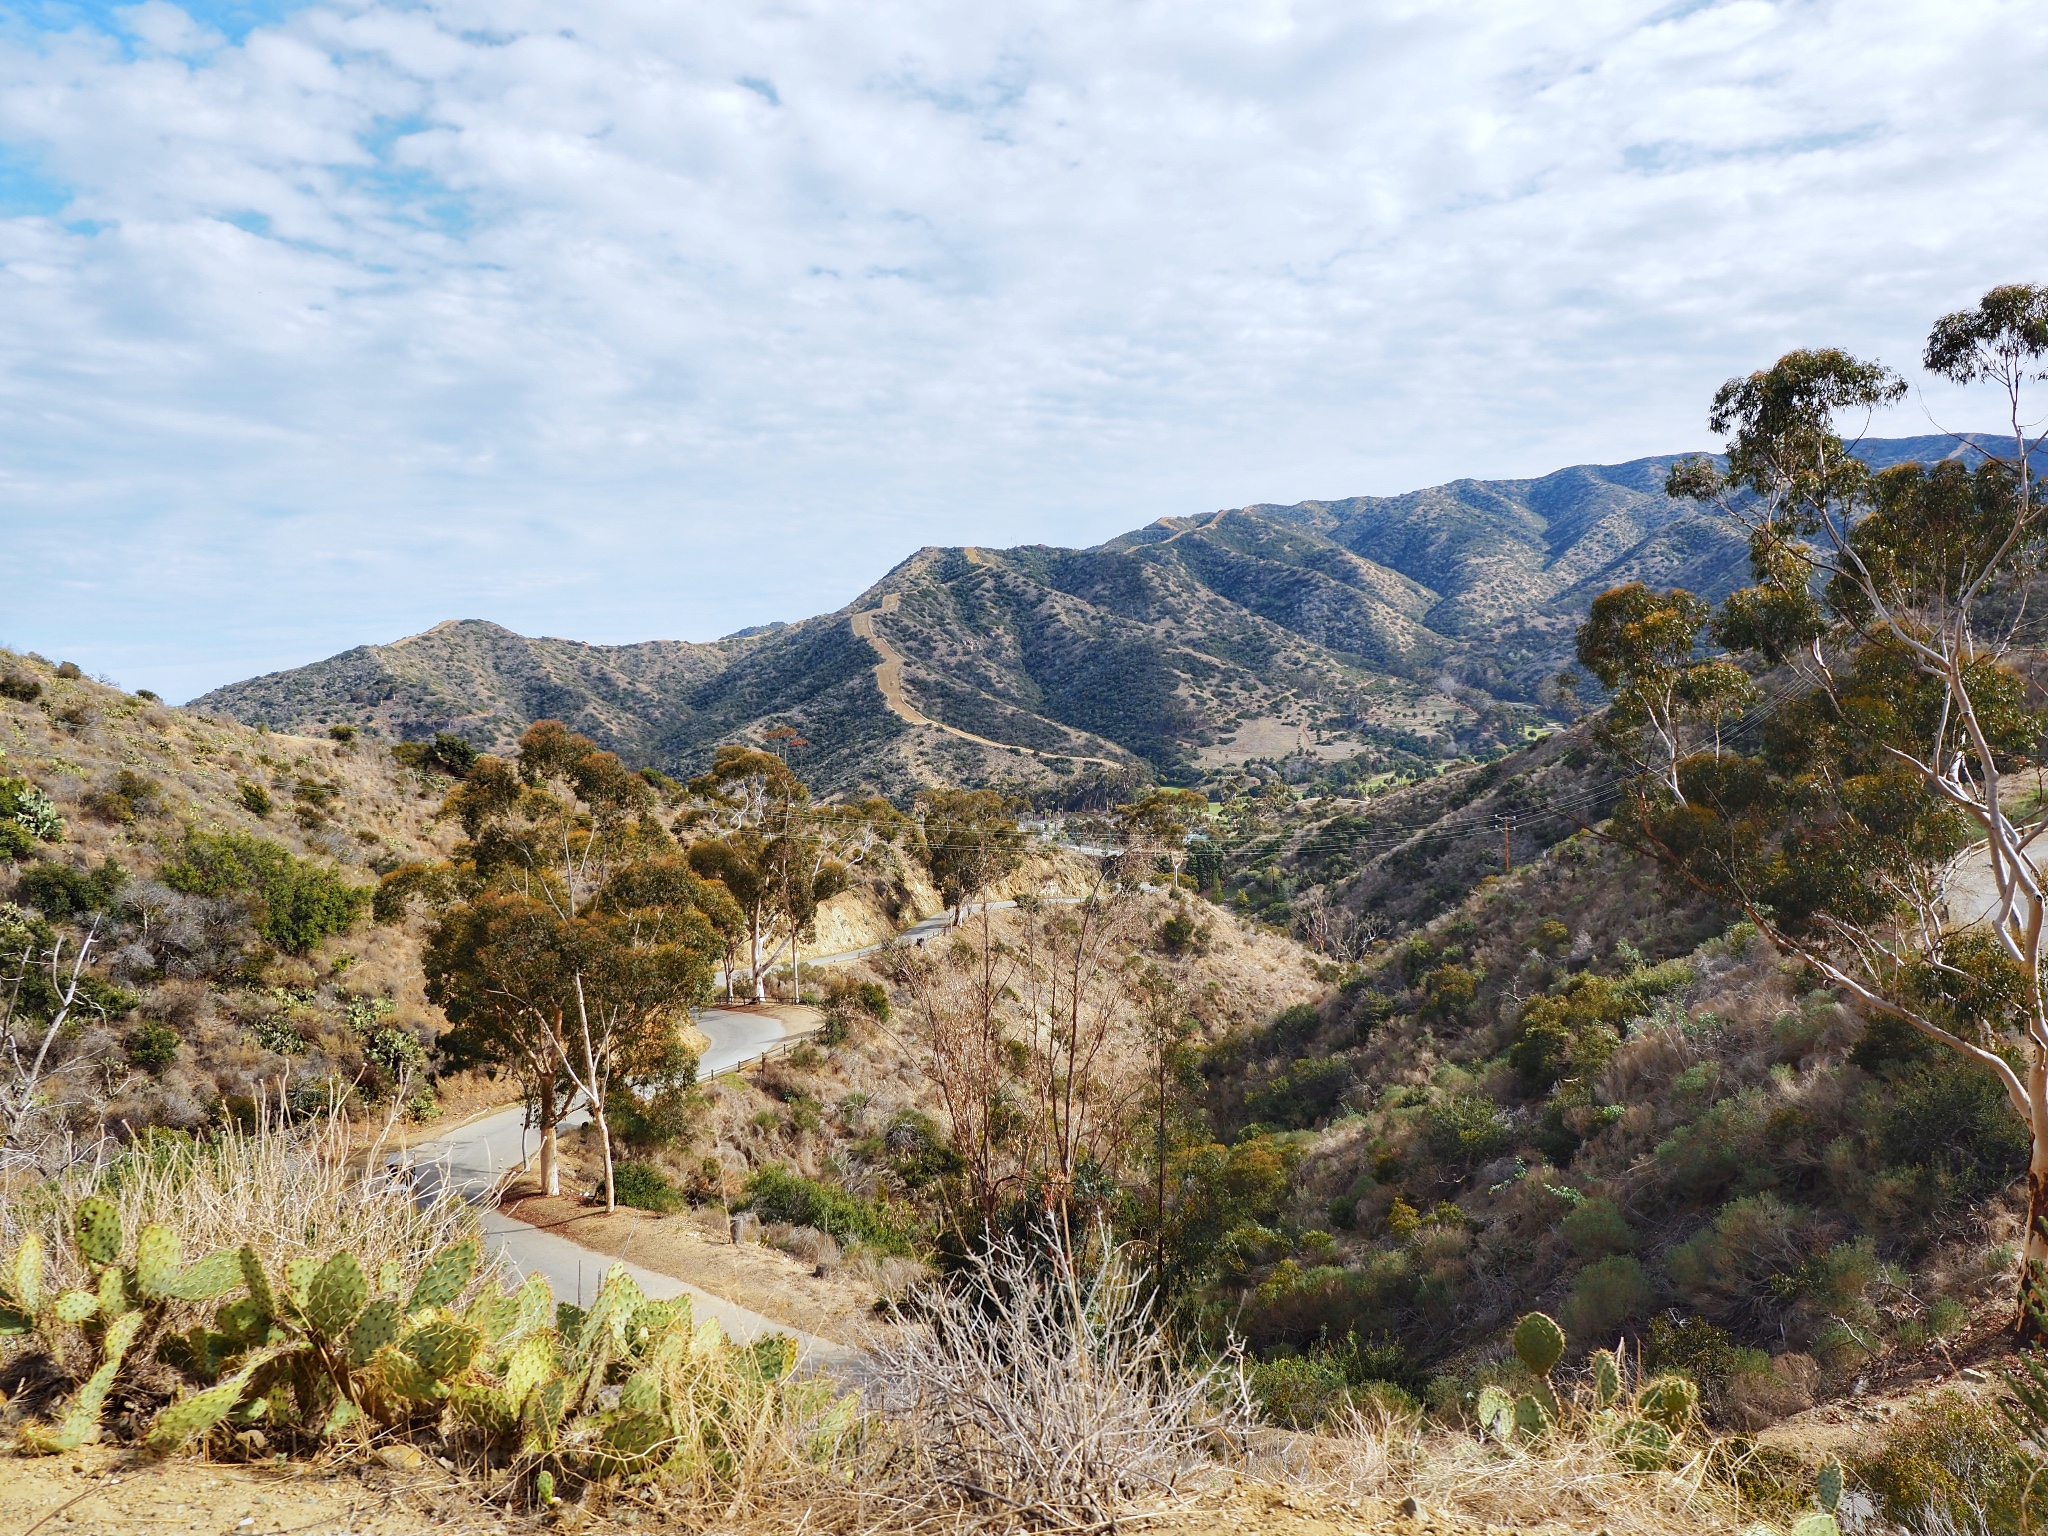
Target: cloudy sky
point(626, 319)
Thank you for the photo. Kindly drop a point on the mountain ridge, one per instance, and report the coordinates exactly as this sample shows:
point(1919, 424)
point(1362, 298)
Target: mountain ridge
point(1425, 624)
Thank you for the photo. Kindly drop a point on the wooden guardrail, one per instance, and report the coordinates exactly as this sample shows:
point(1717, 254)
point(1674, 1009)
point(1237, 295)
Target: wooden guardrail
point(755, 1063)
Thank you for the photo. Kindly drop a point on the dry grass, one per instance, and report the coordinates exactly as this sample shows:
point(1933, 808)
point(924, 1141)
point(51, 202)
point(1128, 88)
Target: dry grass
point(283, 1191)
point(1565, 1481)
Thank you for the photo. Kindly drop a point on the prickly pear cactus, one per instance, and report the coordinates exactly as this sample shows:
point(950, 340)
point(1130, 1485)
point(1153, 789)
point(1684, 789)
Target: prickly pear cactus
point(191, 1416)
point(1670, 1401)
point(97, 1230)
point(21, 1299)
point(157, 1260)
point(1495, 1411)
point(1827, 1485)
point(205, 1279)
point(81, 1420)
point(446, 1276)
point(1539, 1343)
point(1606, 1379)
point(1532, 1419)
point(378, 1326)
point(1815, 1525)
point(335, 1296)
point(257, 1280)
point(1644, 1445)
point(443, 1349)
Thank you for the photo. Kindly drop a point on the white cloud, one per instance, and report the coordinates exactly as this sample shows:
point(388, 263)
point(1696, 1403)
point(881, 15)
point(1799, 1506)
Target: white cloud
point(623, 320)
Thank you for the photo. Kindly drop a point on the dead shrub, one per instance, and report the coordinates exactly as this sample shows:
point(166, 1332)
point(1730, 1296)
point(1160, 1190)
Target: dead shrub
point(1049, 1392)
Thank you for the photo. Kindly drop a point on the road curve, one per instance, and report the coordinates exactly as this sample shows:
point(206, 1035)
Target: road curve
point(473, 1159)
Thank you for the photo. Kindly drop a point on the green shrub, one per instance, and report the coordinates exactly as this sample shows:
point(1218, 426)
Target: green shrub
point(16, 842)
point(58, 891)
point(446, 753)
point(1595, 1227)
point(254, 797)
point(1299, 1392)
point(1950, 1462)
point(1606, 1296)
point(1307, 1091)
point(1466, 1130)
point(1739, 1267)
point(303, 902)
point(342, 733)
point(642, 1186)
point(1950, 1116)
point(1694, 1348)
point(151, 1046)
point(20, 685)
point(776, 1194)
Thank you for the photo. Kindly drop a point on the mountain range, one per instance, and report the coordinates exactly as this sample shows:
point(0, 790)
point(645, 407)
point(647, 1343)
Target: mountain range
point(1413, 626)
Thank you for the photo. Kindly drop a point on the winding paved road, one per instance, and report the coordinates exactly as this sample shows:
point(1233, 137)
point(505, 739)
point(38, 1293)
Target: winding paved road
point(473, 1159)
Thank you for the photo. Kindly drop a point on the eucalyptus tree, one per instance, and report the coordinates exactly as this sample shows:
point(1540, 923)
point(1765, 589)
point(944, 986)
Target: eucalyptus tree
point(570, 938)
point(1876, 827)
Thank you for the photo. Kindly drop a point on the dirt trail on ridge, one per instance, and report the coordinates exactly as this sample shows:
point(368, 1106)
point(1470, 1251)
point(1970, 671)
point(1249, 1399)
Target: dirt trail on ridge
point(889, 678)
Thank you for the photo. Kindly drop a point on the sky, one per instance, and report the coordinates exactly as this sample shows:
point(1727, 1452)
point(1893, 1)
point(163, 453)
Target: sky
point(630, 319)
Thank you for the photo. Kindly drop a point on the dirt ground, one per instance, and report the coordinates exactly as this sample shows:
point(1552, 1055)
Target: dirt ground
point(694, 1245)
point(102, 1492)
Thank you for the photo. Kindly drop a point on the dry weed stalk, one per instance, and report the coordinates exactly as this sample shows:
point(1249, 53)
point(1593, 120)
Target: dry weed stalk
point(1052, 1394)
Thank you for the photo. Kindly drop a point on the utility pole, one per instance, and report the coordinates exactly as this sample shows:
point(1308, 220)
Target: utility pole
point(1507, 847)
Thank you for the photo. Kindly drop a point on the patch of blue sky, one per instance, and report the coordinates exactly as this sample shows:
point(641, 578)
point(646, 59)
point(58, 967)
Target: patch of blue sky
point(235, 19)
point(1668, 156)
point(26, 189)
point(412, 196)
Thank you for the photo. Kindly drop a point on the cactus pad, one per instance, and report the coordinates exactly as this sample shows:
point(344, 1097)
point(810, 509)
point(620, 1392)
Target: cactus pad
point(243, 1320)
point(335, 1296)
point(1815, 1525)
point(194, 1415)
point(26, 1280)
point(206, 1279)
point(1539, 1343)
point(1532, 1419)
point(1827, 1485)
point(400, 1375)
point(81, 1420)
point(376, 1327)
point(494, 1313)
point(544, 1487)
point(536, 1304)
point(77, 1306)
point(635, 1436)
point(97, 1231)
point(641, 1393)
point(444, 1349)
point(113, 1292)
point(446, 1276)
point(157, 1259)
point(1645, 1446)
point(531, 1362)
point(390, 1276)
point(1606, 1379)
point(1671, 1401)
point(1496, 1413)
point(298, 1279)
point(258, 1282)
